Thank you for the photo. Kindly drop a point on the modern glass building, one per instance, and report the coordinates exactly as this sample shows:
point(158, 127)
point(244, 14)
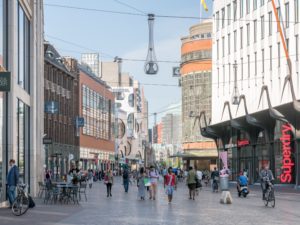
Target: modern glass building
point(21, 109)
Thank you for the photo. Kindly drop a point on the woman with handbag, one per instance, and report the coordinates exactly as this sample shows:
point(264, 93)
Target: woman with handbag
point(170, 182)
point(108, 180)
point(141, 184)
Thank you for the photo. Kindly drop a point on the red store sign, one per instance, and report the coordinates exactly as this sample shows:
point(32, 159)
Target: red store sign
point(243, 142)
point(287, 161)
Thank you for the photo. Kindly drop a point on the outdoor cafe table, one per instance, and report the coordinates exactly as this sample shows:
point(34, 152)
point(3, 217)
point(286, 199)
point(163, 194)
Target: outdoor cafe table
point(68, 192)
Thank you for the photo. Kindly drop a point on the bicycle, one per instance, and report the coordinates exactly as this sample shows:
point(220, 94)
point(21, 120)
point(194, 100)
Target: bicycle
point(21, 203)
point(269, 196)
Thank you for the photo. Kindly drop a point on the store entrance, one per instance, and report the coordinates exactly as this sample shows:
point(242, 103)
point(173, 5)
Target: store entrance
point(247, 167)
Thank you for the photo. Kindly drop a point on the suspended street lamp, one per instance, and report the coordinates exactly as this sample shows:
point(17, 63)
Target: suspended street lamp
point(151, 67)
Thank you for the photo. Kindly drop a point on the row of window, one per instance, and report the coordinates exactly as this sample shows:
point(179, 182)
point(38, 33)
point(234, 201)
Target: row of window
point(247, 7)
point(197, 55)
point(248, 37)
point(257, 64)
point(96, 110)
point(201, 36)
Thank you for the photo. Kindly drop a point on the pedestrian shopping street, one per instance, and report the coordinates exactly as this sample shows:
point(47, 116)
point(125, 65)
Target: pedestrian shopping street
point(125, 209)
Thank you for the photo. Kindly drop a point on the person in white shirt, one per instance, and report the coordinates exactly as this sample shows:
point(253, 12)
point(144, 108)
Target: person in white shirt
point(199, 174)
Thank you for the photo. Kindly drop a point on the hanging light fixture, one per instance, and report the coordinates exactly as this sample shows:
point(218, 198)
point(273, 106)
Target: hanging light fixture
point(151, 66)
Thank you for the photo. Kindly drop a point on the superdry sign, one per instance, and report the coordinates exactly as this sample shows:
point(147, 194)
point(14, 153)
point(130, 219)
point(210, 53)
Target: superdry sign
point(287, 161)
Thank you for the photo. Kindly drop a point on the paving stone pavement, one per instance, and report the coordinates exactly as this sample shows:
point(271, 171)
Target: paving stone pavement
point(126, 209)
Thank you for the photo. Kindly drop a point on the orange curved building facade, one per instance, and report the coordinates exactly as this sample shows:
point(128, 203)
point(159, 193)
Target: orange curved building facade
point(196, 71)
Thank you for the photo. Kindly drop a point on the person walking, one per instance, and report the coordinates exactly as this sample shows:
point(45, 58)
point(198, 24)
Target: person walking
point(126, 179)
point(191, 182)
point(109, 180)
point(154, 176)
point(141, 184)
point(90, 178)
point(170, 182)
point(12, 181)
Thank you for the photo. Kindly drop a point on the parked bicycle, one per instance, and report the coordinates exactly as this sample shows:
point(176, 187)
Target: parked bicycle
point(269, 196)
point(21, 203)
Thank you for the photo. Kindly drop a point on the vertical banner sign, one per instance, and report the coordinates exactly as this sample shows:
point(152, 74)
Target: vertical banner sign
point(223, 157)
point(287, 161)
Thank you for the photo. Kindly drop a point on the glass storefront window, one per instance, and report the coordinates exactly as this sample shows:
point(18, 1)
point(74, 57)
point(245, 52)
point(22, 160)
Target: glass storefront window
point(22, 140)
point(23, 49)
point(2, 148)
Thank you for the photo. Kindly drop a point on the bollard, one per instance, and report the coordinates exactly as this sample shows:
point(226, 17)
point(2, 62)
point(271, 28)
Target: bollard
point(224, 185)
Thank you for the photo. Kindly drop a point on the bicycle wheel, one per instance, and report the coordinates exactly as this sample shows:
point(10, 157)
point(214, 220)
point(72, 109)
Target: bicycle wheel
point(266, 199)
point(20, 205)
point(272, 198)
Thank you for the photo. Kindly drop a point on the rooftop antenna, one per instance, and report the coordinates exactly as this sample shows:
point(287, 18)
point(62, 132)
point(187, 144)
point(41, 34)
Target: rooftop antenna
point(151, 66)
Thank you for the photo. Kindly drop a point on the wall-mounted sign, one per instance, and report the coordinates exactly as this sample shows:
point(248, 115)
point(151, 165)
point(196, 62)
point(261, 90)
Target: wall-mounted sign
point(79, 121)
point(5, 81)
point(176, 71)
point(243, 142)
point(47, 141)
point(51, 107)
point(287, 161)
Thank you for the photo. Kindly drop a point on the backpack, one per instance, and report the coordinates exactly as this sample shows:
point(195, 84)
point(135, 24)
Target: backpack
point(125, 174)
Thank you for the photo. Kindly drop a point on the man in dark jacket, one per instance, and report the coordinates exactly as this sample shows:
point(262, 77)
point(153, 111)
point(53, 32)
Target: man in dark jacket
point(126, 179)
point(12, 181)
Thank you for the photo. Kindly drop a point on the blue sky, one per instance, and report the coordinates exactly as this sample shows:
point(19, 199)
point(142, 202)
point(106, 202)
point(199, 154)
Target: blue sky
point(126, 37)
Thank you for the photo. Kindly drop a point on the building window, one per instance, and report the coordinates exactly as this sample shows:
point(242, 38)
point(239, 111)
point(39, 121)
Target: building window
point(242, 72)
point(248, 34)
point(262, 21)
point(218, 77)
point(262, 2)
point(254, 4)
point(247, 6)
point(217, 49)
point(279, 16)
point(22, 140)
point(218, 20)
point(223, 46)
point(23, 49)
point(255, 30)
point(263, 60)
point(241, 38)
point(248, 59)
point(228, 47)
point(297, 46)
point(241, 8)
point(296, 9)
point(228, 14)
point(223, 17)
point(270, 60)
point(270, 23)
point(287, 15)
point(234, 10)
point(278, 56)
point(255, 67)
point(235, 39)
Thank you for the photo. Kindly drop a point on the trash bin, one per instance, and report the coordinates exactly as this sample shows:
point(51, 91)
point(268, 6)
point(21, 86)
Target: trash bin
point(224, 183)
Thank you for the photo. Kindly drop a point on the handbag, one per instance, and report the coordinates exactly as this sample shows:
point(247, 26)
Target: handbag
point(147, 182)
point(106, 179)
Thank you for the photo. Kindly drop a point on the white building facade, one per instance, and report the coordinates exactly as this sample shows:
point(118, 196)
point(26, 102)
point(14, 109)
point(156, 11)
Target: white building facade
point(252, 41)
point(22, 108)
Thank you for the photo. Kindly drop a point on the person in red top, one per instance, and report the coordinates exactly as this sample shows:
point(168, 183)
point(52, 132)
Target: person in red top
point(170, 182)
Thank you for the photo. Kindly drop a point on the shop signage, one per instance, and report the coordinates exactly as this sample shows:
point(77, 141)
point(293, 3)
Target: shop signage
point(176, 71)
point(47, 141)
point(79, 121)
point(243, 142)
point(5, 81)
point(287, 162)
point(230, 146)
point(51, 107)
